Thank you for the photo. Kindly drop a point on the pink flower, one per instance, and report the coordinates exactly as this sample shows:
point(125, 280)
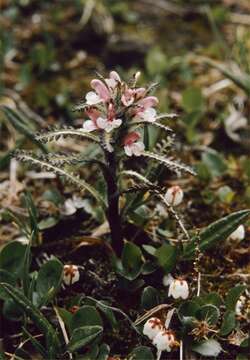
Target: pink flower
point(132, 146)
point(148, 114)
point(131, 95)
point(97, 122)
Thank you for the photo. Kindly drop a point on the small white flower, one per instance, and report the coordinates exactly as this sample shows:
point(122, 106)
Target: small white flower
point(240, 305)
point(164, 340)
point(136, 148)
point(178, 289)
point(92, 98)
point(238, 234)
point(152, 327)
point(108, 125)
point(167, 279)
point(68, 207)
point(174, 195)
point(148, 115)
point(70, 274)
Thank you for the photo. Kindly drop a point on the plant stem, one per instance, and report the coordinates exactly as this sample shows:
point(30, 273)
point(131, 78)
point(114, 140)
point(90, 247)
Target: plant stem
point(113, 213)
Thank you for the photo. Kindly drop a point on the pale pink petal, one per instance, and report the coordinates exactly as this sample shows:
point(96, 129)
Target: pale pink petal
point(101, 123)
point(148, 102)
point(117, 123)
point(128, 150)
point(92, 113)
point(92, 98)
point(89, 126)
point(101, 89)
point(131, 138)
point(115, 76)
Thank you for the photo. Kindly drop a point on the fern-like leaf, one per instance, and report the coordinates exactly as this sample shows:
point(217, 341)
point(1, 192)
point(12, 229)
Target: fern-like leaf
point(155, 124)
point(73, 179)
point(55, 134)
point(159, 193)
point(169, 163)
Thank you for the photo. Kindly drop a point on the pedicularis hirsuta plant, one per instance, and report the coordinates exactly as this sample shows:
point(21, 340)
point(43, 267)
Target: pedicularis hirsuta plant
point(118, 118)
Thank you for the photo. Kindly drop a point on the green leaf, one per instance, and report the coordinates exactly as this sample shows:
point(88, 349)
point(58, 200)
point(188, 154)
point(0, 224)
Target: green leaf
point(11, 311)
point(6, 277)
point(17, 122)
point(38, 318)
point(166, 256)
point(142, 353)
point(209, 347)
point(192, 99)
point(104, 351)
point(12, 258)
point(131, 260)
point(212, 298)
point(228, 323)
point(209, 313)
point(149, 298)
point(187, 311)
point(216, 232)
point(233, 296)
point(83, 336)
point(85, 316)
point(214, 162)
point(49, 280)
point(37, 346)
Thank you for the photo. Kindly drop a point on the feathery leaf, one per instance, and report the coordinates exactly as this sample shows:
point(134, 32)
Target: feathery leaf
point(172, 165)
point(54, 134)
point(82, 184)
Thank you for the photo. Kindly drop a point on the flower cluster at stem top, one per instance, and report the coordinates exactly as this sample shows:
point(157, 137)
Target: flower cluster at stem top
point(113, 104)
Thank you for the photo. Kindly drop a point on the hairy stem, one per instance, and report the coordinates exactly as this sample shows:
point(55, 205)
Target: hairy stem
point(113, 213)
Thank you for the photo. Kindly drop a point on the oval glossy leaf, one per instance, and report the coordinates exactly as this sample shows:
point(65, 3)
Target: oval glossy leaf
point(209, 347)
point(85, 316)
point(209, 313)
point(49, 280)
point(149, 298)
point(142, 353)
point(212, 298)
point(131, 261)
point(83, 336)
point(166, 256)
point(233, 296)
point(216, 232)
point(12, 258)
point(228, 323)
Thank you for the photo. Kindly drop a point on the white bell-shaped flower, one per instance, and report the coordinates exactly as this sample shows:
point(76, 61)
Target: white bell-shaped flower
point(174, 195)
point(178, 289)
point(151, 327)
point(164, 340)
point(71, 274)
point(238, 234)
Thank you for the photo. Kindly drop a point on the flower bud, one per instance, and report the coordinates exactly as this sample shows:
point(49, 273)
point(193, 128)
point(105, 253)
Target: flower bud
point(178, 289)
point(238, 234)
point(152, 327)
point(164, 340)
point(70, 274)
point(174, 195)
